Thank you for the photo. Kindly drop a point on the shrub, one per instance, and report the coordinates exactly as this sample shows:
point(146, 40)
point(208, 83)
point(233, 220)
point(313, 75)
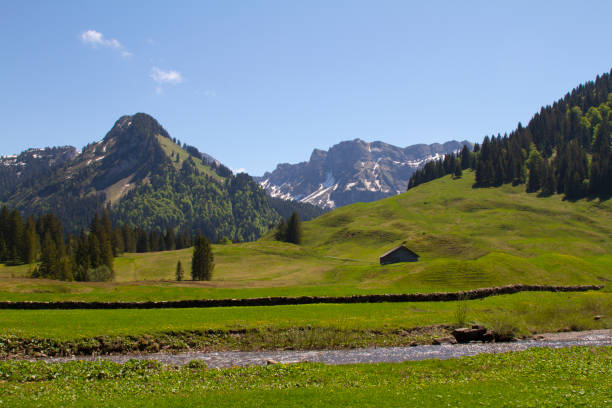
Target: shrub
point(100, 274)
point(461, 313)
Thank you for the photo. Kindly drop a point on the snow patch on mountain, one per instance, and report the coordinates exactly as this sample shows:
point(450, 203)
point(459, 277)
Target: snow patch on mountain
point(321, 197)
point(352, 171)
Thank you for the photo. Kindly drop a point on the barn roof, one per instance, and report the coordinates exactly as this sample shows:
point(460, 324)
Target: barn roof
point(396, 249)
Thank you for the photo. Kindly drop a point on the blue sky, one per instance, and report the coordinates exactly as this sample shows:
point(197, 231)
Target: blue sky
point(256, 83)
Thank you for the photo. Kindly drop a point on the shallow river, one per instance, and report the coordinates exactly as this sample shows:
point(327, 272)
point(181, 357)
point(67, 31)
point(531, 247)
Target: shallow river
point(365, 355)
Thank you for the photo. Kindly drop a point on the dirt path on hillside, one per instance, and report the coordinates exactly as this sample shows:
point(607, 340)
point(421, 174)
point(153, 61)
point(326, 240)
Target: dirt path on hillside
point(365, 355)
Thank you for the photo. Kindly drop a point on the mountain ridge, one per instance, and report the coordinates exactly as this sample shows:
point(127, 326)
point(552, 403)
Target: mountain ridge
point(352, 171)
point(149, 182)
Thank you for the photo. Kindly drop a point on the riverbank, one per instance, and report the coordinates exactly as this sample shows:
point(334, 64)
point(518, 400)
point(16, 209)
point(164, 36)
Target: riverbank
point(542, 377)
point(58, 333)
point(414, 352)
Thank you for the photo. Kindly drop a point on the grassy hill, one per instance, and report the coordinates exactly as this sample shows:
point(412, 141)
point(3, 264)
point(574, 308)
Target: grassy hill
point(466, 237)
point(473, 237)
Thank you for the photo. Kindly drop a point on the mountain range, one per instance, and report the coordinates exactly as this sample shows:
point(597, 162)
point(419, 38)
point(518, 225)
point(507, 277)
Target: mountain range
point(352, 171)
point(151, 182)
point(145, 177)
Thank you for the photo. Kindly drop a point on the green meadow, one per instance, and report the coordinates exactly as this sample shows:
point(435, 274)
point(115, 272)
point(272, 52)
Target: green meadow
point(532, 378)
point(527, 312)
point(487, 237)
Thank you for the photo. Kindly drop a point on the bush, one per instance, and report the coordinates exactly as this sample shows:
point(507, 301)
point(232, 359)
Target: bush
point(506, 327)
point(100, 274)
point(461, 313)
point(197, 365)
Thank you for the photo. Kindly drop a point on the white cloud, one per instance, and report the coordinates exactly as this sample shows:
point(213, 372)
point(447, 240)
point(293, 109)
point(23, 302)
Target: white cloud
point(96, 39)
point(240, 170)
point(166, 77)
point(162, 77)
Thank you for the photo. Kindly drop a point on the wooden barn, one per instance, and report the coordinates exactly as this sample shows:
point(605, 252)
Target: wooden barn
point(398, 254)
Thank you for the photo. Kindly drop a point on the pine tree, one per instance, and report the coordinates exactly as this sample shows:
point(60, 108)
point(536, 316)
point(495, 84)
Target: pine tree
point(117, 242)
point(154, 241)
point(535, 166)
point(197, 261)
point(101, 247)
point(466, 158)
point(179, 271)
point(94, 251)
point(170, 240)
point(548, 179)
point(31, 243)
point(202, 263)
point(142, 244)
point(294, 229)
point(106, 251)
point(48, 258)
point(458, 170)
point(64, 269)
point(15, 238)
point(81, 257)
point(106, 223)
point(281, 231)
point(4, 223)
point(130, 238)
point(601, 163)
point(96, 225)
point(576, 173)
point(3, 250)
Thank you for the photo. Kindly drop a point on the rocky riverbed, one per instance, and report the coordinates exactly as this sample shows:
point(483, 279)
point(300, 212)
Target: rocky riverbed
point(365, 355)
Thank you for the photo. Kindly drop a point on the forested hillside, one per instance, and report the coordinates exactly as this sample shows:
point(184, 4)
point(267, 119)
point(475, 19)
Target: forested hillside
point(285, 208)
point(27, 168)
point(565, 149)
point(148, 181)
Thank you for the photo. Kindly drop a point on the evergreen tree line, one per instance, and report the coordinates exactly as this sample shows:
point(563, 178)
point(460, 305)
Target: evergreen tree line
point(41, 240)
point(218, 168)
point(565, 148)
point(450, 164)
point(87, 256)
point(290, 230)
point(140, 240)
point(285, 208)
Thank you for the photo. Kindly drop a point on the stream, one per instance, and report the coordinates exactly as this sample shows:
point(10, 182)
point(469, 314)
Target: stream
point(225, 359)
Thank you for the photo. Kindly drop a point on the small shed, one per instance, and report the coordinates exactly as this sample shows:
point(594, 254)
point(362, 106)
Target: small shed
point(398, 254)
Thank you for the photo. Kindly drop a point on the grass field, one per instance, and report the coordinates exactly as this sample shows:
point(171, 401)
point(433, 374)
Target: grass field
point(319, 326)
point(487, 237)
point(532, 312)
point(533, 378)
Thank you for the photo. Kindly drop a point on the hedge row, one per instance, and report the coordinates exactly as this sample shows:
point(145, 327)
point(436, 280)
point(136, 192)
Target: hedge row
point(301, 300)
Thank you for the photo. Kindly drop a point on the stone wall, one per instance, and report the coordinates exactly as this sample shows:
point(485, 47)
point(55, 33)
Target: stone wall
point(302, 300)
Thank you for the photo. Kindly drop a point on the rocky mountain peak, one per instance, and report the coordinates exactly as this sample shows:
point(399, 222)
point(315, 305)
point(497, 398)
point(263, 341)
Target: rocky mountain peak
point(352, 171)
point(318, 155)
point(138, 126)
